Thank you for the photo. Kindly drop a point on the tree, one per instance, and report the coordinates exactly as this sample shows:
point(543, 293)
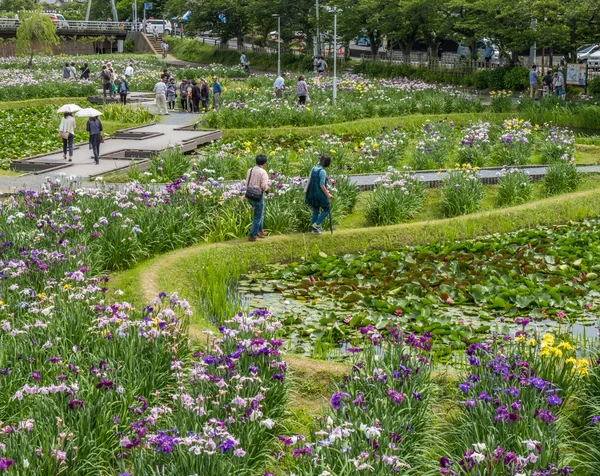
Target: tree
point(438, 26)
point(227, 19)
point(73, 10)
point(402, 22)
point(360, 19)
point(14, 6)
point(36, 34)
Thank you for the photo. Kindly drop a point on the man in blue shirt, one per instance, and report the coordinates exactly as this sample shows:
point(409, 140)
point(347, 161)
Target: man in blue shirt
point(278, 86)
point(217, 91)
point(533, 83)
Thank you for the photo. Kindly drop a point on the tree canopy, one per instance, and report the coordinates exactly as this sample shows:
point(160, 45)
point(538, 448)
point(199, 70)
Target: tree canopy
point(36, 34)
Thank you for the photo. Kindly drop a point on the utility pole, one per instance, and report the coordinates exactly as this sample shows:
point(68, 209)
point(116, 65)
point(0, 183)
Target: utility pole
point(278, 43)
point(532, 50)
point(87, 13)
point(335, 10)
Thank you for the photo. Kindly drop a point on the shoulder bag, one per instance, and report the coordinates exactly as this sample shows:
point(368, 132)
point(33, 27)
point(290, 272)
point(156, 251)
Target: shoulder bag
point(253, 193)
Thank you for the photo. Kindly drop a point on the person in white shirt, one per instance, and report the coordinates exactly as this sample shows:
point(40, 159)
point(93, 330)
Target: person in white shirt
point(160, 89)
point(129, 71)
point(245, 63)
point(164, 46)
point(66, 131)
point(278, 86)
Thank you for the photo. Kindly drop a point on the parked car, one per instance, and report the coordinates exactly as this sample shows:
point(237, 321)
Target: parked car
point(593, 60)
point(162, 27)
point(585, 53)
point(58, 20)
point(362, 41)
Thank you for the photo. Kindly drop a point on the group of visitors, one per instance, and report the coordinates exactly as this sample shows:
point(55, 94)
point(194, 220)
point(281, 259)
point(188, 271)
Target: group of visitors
point(66, 131)
point(194, 97)
point(553, 83)
point(301, 89)
point(111, 85)
point(317, 196)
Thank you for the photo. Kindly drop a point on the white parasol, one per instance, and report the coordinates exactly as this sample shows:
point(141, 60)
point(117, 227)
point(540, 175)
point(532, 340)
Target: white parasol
point(69, 108)
point(88, 112)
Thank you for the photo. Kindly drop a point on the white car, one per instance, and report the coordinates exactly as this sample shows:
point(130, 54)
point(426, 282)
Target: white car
point(161, 27)
point(593, 60)
point(584, 53)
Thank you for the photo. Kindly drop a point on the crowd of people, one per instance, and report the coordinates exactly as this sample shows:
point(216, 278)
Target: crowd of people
point(112, 83)
point(553, 83)
point(191, 96)
point(317, 195)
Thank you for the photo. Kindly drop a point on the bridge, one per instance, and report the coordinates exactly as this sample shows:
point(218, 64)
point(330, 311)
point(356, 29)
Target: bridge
point(70, 28)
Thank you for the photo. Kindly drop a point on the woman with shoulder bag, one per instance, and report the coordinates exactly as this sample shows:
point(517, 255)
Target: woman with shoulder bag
point(317, 195)
point(66, 131)
point(257, 183)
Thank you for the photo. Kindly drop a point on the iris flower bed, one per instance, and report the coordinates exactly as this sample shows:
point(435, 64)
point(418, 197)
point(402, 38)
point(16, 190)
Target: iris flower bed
point(119, 228)
point(433, 146)
point(254, 105)
point(513, 398)
point(45, 80)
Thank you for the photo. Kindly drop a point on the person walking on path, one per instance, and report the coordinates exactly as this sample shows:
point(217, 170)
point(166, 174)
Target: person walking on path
point(171, 94)
point(183, 94)
point(94, 127)
point(217, 91)
point(160, 90)
point(123, 89)
point(85, 72)
point(533, 83)
point(106, 82)
point(66, 131)
point(66, 71)
point(190, 96)
point(278, 86)
point(245, 63)
point(204, 94)
point(73, 73)
point(257, 183)
point(129, 71)
point(154, 32)
point(301, 90)
point(317, 195)
point(164, 46)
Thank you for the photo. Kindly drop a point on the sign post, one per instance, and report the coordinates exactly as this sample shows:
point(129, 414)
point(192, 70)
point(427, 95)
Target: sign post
point(576, 74)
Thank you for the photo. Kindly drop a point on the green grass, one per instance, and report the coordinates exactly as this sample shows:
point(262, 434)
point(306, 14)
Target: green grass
point(587, 154)
point(40, 102)
point(9, 173)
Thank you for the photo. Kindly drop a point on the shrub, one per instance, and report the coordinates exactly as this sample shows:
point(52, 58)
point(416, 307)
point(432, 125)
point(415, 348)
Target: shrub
point(562, 176)
point(432, 150)
point(594, 86)
point(557, 143)
point(474, 147)
point(514, 187)
point(462, 191)
point(514, 147)
point(398, 195)
point(501, 100)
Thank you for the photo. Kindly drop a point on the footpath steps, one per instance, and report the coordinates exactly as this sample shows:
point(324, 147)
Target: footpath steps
point(154, 42)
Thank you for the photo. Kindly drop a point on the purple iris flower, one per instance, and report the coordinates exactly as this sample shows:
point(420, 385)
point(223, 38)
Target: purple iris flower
point(336, 399)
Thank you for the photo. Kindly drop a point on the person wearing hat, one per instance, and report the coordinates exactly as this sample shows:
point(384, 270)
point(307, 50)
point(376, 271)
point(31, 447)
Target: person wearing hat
point(123, 89)
point(204, 94)
point(217, 91)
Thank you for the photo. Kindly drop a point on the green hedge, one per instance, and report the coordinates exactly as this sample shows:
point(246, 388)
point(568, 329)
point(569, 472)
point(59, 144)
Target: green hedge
point(594, 86)
point(195, 52)
point(515, 79)
point(47, 90)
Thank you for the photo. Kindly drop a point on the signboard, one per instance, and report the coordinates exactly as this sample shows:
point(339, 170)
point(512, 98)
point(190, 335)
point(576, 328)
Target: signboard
point(147, 6)
point(576, 74)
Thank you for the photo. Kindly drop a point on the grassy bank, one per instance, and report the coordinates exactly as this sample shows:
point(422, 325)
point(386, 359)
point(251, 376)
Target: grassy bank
point(187, 270)
point(196, 52)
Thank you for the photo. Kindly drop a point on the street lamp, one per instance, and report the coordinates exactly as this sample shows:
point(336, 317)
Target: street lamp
point(275, 15)
point(335, 10)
